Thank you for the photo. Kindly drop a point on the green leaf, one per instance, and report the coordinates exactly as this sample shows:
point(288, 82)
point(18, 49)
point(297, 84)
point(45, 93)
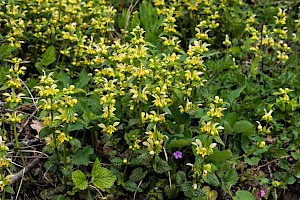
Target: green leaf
point(172, 192)
point(9, 189)
point(79, 180)
point(132, 186)
point(82, 156)
point(252, 161)
point(3, 73)
point(243, 195)
point(137, 174)
point(297, 169)
point(295, 155)
point(245, 127)
point(180, 177)
point(75, 127)
point(48, 56)
point(231, 177)
point(211, 179)
point(102, 178)
point(5, 51)
point(83, 79)
point(160, 166)
point(90, 196)
point(39, 67)
point(179, 143)
point(187, 188)
point(220, 156)
point(233, 95)
point(219, 140)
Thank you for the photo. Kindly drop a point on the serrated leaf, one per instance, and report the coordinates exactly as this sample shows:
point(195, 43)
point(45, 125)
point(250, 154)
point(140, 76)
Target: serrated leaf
point(137, 174)
point(180, 177)
point(83, 79)
point(79, 180)
point(102, 178)
point(245, 127)
point(231, 177)
point(132, 186)
point(243, 195)
point(295, 155)
point(9, 189)
point(160, 166)
point(211, 179)
point(5, 51)
point(143, 159)
point(75, 127)
point(39, 67)
point(252, 161)
point(172, 192)
point(48, 56)
point(219, 140)
point(82, 156)
point(220, 156)
point(179, 143)
point(187, 188)
point(233, 95)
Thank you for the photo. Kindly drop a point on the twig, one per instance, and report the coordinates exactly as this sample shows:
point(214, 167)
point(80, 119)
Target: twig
point(270, 162)
point(137, 188)
point(28, 142)
point(31, 151)
point(271, 175)
point(23, 172)
point(19, 174)
point(30, 95)
point(166, 156)
point(102, 197)
point(27, 121)
point(130, 9)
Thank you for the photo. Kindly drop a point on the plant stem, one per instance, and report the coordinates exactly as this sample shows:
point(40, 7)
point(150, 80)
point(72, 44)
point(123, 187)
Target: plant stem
point(17, 142)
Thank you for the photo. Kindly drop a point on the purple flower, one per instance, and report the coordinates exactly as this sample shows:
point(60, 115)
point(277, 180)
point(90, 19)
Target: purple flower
point(177, 154)
point(262, 193)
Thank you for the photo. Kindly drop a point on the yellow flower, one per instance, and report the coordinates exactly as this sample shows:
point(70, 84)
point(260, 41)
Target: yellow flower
point(4, 162)
point(62, 137)
point(268, 116)
point(110, 129)
point(202, 150)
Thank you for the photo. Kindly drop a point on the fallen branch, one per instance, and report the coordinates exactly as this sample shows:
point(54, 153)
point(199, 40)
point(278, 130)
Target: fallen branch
point(20, 174)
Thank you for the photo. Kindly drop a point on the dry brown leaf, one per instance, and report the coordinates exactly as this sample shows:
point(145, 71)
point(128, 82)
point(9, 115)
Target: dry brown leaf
point(37, 125)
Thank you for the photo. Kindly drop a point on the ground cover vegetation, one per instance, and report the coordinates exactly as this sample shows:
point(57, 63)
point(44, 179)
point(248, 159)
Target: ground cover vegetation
point(179, 99)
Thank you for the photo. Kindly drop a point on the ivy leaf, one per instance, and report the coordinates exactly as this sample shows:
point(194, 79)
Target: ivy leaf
point(102, 178)
point(245, 127)
point(160, 166)
point(79, 179)
point(82, 156)
point(243, 195)
point(48, 56)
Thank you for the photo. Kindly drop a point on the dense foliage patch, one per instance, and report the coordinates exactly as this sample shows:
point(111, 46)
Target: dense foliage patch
point(149, 99)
